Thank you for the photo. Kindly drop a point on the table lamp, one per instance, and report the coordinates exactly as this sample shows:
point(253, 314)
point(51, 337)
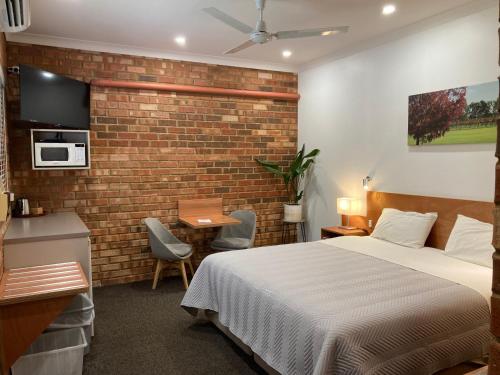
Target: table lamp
point(349, 207)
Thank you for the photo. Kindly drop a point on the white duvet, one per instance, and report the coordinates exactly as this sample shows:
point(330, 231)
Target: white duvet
point(427, 259)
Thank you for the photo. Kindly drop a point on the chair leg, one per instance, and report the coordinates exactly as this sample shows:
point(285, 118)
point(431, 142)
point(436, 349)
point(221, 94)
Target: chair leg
point(183, 273)
point(159, 267)
point(188, 260)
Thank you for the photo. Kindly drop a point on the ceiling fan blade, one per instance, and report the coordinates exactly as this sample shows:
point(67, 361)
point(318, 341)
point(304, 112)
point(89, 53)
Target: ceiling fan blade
point(248, 43)
point(228, 20)
point(324, 31)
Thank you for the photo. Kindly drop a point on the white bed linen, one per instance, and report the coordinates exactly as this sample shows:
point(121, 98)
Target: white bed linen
point(427, 259)
point(317, 308)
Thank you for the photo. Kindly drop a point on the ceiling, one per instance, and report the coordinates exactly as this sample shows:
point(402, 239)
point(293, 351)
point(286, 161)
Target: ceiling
point(152, 25)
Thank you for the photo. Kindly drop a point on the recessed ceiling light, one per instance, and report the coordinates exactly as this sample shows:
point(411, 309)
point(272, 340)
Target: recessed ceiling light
point(180, 40)
point(388, 9)
point(287, 53)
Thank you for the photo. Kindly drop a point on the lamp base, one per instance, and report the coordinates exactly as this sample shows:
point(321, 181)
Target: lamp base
point(347, 227)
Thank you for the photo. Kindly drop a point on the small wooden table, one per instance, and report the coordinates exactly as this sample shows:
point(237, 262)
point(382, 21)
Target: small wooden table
point(30, 299)
point(332, 232)
point(193, 210)
point(480, 371)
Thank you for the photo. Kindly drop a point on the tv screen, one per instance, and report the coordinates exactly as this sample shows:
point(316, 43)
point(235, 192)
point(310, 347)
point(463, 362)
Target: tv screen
point(53, 99)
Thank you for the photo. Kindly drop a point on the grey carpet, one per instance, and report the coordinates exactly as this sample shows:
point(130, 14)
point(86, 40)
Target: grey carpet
point(141, 331)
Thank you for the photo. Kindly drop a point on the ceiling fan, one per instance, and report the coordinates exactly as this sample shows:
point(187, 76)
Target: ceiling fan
point(260, 35)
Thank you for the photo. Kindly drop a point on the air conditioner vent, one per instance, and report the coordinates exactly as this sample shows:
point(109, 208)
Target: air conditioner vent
point(15, 15)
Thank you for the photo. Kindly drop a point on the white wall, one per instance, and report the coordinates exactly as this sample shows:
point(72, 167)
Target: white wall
point(355, 111)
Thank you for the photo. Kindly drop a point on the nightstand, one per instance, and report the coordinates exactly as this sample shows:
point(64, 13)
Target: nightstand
point(479, 371)
point(331, 232)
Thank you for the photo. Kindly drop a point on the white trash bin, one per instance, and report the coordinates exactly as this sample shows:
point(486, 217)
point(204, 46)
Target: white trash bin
point(79, 314)
point(53, 353)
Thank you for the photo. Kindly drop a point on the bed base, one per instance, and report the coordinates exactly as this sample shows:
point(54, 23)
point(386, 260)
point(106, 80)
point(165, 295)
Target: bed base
point(207, 316)
point(213, 317)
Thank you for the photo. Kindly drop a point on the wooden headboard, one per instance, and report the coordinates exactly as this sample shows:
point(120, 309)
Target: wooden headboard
point(446, 208)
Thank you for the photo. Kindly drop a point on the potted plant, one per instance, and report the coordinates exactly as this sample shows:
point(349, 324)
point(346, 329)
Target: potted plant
point(292, 178)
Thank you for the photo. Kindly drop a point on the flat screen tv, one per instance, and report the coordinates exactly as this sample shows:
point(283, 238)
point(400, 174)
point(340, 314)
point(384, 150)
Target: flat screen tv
point(53, 99)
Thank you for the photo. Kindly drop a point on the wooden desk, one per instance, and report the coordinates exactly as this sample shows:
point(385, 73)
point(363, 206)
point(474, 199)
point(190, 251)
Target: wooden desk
point(216, 221)
point(30, 299)
point(190, 211)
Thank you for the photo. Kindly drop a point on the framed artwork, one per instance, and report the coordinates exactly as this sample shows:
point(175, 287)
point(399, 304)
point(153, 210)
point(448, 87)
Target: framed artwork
point(463, 115)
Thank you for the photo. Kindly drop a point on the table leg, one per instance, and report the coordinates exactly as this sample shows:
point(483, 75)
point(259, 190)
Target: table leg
point(182, 268)
point(188, 260)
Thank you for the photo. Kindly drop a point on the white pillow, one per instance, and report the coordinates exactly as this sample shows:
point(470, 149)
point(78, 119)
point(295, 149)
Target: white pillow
point(409, 229)
point(470, 240)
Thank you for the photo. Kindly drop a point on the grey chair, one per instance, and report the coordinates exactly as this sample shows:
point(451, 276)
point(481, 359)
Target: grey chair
point(237, 237)
point(168, 248)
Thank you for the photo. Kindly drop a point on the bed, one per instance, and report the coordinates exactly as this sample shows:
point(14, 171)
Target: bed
point(349, 305)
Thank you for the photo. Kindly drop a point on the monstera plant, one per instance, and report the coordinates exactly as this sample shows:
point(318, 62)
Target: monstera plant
point(292, 178)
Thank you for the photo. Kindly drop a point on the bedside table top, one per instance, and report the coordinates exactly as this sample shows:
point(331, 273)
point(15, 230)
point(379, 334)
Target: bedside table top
point(479, 371)
point(344, 232)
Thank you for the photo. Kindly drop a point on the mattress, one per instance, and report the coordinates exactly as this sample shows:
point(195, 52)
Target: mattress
point(344, 307)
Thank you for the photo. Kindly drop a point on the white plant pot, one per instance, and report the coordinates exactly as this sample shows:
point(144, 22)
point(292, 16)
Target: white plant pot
point(293, 213)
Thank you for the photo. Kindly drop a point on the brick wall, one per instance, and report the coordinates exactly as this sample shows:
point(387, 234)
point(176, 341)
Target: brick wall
point(150, 149)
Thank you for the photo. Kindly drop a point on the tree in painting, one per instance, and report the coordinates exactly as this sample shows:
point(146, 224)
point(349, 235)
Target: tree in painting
point(481, 109)
point(431, 114)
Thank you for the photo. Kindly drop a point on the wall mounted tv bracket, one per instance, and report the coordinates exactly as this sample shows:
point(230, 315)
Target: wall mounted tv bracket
point(13, 70)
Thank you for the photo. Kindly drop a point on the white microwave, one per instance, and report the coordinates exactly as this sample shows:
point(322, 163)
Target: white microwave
point(59, 155)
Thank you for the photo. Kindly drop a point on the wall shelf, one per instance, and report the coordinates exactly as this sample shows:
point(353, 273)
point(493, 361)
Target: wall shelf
point(62, 137)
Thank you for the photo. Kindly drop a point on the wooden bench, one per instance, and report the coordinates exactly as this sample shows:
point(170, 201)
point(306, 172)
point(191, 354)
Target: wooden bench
point(30, 299)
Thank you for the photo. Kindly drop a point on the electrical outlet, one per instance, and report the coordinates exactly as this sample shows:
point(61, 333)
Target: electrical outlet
point(370, 223)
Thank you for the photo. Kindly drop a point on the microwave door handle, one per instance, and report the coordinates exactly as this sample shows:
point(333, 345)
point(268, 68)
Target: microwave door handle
point(71, 155)
point(38, 156)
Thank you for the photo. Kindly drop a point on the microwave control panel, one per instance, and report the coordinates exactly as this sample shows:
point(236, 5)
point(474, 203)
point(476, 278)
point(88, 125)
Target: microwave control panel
point(80, 153)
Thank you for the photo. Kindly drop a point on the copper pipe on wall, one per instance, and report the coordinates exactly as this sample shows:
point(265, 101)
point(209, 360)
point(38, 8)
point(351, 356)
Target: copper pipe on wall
point(194, 89)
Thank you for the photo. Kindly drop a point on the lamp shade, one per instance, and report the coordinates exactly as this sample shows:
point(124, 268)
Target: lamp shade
point(349, 206)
